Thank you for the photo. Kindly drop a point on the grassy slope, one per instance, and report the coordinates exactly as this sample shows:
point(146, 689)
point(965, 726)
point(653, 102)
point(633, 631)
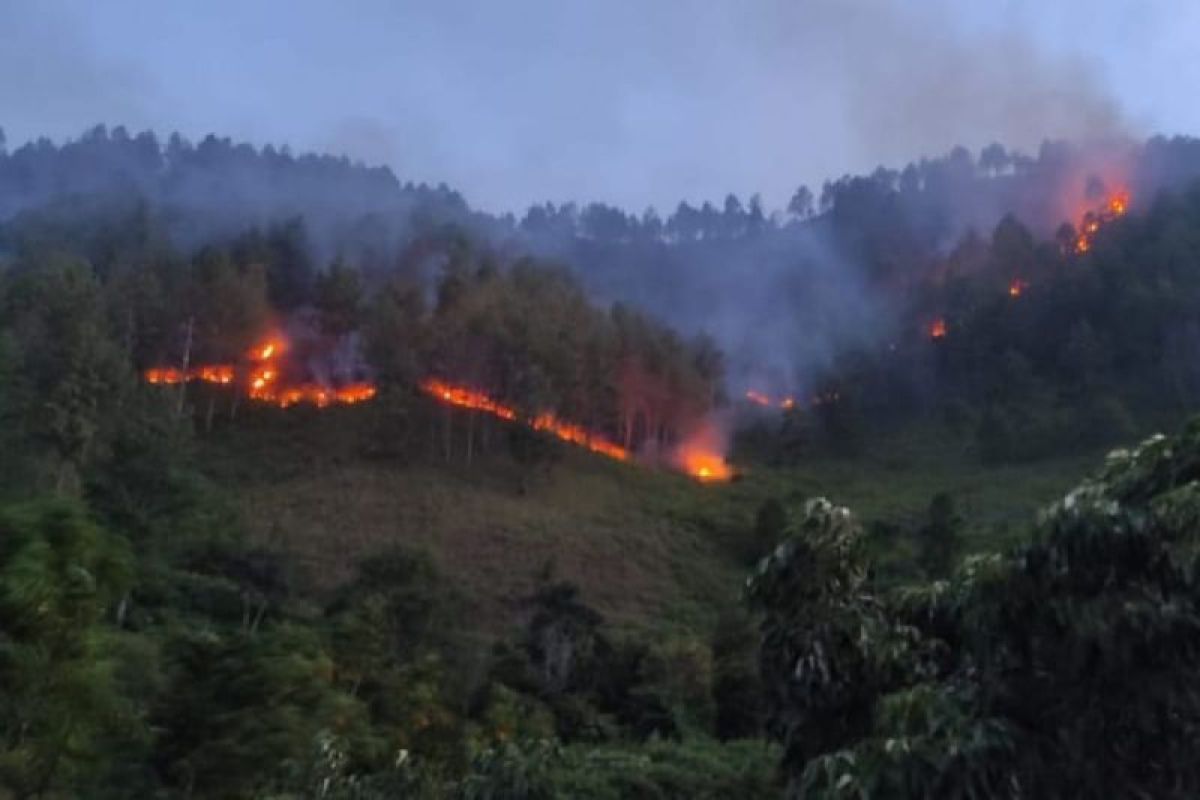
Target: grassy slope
point(651, 550)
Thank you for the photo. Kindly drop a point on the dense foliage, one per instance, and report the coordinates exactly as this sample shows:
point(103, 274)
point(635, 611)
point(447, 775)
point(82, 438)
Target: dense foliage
point(149, 647)
point(1065, 668)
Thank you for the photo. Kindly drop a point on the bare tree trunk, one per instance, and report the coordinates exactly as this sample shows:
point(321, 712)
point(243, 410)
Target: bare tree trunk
point(187, 358)
point(446, 433)
point(208, 417)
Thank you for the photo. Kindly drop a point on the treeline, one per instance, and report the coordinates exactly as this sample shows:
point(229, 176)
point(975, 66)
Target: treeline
point(782, 291)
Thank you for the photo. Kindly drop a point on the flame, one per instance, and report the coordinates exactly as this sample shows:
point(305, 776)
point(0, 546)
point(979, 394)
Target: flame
point(937, 329)
point(464, 397)
point(1115, 206)
point(704, 466)
point(164, 375)
point(262, 381)
point(1017, 287)
point(700, 455)
point(467, 398)
point(216, 373)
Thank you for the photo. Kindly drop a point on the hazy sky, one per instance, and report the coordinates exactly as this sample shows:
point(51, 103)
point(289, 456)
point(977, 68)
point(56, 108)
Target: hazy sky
point(635, 102)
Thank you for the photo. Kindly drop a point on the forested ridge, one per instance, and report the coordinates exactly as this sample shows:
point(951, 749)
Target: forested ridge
point(217, 579)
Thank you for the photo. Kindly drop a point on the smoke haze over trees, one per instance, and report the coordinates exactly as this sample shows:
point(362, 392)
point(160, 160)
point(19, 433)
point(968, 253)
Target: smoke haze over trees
point(784, 292)
point(525, 101)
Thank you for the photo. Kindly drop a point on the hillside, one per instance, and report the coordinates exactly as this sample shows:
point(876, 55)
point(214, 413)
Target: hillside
point(653, 551)
point(434, 517)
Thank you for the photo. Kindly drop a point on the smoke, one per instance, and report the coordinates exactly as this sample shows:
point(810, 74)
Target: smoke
point(627, 103)
point(54, 83)
point(632, 104)
point(916, 79)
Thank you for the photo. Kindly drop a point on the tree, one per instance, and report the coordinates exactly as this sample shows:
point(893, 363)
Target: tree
point(1063, 668)
point(71, 373)
point(338, 297)
point(240, 707)
point(60, 575)
point(994, 158)
point(801, 204)
point(395, 335)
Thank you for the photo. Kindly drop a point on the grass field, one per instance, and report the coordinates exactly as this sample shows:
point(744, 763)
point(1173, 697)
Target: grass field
point(650, 549)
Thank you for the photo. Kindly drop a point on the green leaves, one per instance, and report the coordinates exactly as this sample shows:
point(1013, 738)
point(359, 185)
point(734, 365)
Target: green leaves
point(1066, 667)
point(59, 576)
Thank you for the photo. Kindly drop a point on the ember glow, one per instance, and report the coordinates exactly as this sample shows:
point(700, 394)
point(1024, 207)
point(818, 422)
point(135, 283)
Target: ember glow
point(1115, 206)
point(263, 381)
point(1017, 288)
point(758, 398)
point(766, 401)
point(465, 397)
point(937, 329)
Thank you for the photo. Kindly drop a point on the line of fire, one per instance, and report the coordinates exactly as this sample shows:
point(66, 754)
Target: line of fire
point(266, 377)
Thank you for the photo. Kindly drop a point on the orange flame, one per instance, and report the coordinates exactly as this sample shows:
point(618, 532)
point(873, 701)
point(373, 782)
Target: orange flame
point(704, 466)
point(464, 397)
point(1115, 206)
point(262, 380)
point(937, 329)
point(700, 454)
point(1017, 287)
point(164, 375)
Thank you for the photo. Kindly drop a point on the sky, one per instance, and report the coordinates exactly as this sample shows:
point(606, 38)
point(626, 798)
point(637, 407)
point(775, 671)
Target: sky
point(631, 102)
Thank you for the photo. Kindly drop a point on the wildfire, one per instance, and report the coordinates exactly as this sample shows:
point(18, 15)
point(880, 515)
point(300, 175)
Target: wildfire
point(699, 455)
point(937, 329)
point(263, 382)
point(464, 397)
point(1017, 288)
point(696, 457)
point(704, 466)
point(467, 398)
point(1115, 206)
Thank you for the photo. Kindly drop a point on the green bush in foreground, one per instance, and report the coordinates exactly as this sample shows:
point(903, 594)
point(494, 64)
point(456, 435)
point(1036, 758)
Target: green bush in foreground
point(1065, 668)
